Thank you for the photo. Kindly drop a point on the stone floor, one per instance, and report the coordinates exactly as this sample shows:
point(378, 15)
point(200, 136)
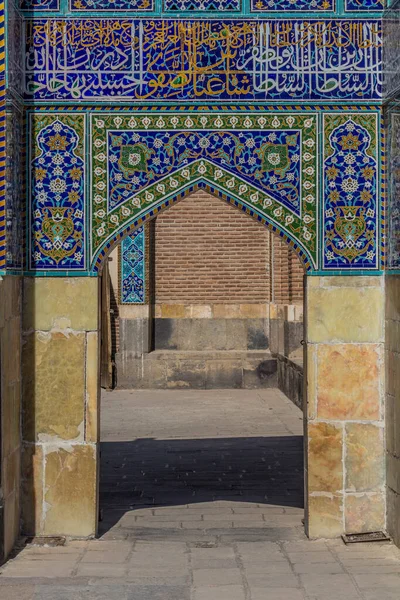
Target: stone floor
point(201, 499)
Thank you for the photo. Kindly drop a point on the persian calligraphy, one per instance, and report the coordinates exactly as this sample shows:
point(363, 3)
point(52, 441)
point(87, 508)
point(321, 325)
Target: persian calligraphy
point(197, 60)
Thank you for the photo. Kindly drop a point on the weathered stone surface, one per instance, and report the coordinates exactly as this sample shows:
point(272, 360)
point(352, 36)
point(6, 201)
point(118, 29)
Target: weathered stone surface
point(345, 314)
point(92, 388)
point(325, 516)
point(310, 373)
point(349, 381)
point(325, 462)
point(364, 512)
point(32, 489)
point(53, 385)
point(60, 303)
point(70, 496)
point(364, 457)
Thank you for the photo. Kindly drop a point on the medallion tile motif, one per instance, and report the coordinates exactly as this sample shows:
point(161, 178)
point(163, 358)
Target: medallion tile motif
point(266, 161)
point(350, 192)
point(57, 176)
point(132, 268)
point(200, 60)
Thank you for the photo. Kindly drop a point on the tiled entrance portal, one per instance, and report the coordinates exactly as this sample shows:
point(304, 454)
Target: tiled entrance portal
point(201, 464)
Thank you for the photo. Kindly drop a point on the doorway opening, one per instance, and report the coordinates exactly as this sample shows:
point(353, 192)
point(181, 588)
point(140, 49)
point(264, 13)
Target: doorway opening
point(202, 329)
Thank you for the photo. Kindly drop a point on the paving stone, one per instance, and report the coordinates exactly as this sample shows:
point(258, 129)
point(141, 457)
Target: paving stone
point(206, 577)
point(71, 592)
point(377, 580)
point(157, 592)
point(101, 570)
point(37, 569)
point(107, 556)
point(17, 592)
point(284, 593)
point(220, 592)
point(267, 580)
point(318, 568)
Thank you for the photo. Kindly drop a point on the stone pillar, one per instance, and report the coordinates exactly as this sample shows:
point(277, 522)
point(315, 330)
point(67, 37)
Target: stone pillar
point(392, 360)
point(345, 475)
point(60, 406)
point(10, 407)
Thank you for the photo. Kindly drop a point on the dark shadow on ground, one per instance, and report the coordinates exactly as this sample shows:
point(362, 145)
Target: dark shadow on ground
point(159, 473)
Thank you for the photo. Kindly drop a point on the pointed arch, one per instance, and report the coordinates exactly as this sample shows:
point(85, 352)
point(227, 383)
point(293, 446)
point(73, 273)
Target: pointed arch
point(202, 184)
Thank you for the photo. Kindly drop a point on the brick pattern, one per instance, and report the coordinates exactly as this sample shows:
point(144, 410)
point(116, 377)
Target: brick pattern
point(208, 251)
point(288, 273)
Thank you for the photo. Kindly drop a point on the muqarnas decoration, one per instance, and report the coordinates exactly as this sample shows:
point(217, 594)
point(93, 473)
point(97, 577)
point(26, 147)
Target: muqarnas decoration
point(57, 190)
point(351, 196)
point(132, 268)
point(292, 5)
point(364, 5)
point(112, 6)
point(203, 59)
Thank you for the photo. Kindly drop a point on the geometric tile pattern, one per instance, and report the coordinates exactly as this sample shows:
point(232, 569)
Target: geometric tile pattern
point(364, 5)
point(394, 194)
point(132, 268)
point(351, 196)
point(202, 5)
point(256, 158)
point(106, 5)
point(57, 189)
point(292, 5)
point(40, 5)
point(15, 169)
point(175, 60)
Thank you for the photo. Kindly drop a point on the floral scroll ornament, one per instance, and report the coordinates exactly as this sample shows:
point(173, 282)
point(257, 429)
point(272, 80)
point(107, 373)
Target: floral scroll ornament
point(350, 174)
point(57, 199)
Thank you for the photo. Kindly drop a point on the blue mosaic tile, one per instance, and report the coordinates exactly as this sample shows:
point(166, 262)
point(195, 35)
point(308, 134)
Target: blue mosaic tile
point(112, 7)
point(199, 60)
point(292, 5)
point(40, 5)
point(14, 187)
point(393, 259)
point(57, 190)
point(350, 192)
point(269, 159)
point(202, 5)
point(132, 268)
point(364, 5)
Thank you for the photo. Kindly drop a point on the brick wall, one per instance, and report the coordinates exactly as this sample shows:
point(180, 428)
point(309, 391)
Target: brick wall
point(209, 252)
point(288, 273)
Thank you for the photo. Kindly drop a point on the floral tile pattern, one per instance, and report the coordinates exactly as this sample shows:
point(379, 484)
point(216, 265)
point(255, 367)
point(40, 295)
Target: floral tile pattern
point(132, 268)
point(350, 192)
point(367, 5)
point(277, 175)
point(107, 6)
point(57, 175)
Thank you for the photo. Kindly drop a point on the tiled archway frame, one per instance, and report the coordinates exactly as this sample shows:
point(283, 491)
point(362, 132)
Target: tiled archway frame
point(264, 162)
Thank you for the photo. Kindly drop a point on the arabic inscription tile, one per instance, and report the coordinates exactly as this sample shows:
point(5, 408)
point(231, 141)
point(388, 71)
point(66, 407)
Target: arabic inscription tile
point(201, 60)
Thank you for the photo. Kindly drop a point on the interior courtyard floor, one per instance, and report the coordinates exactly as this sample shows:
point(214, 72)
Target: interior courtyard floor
point(201, 498)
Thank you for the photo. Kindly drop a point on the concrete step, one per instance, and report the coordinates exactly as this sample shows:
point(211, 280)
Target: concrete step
point(169, 369)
